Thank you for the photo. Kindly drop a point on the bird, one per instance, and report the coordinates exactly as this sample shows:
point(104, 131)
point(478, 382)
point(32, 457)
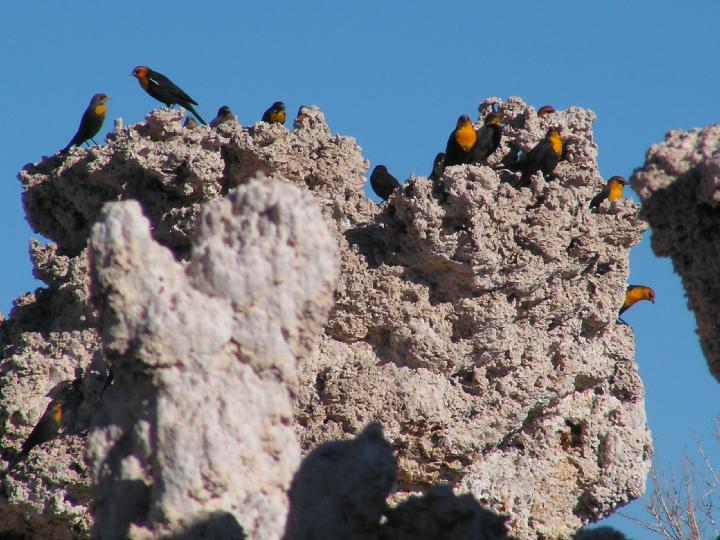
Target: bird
point(190, 122)
point(545, 110)
point(438, 167)
point(382, 182)
point(224, 113)
point(633, 295)
point(45, 430)
point(488, 139)
point(164, 90)
point(275, 114)
point(612, 191)
point(91, 121)
point(460, 142)
point(543, 157)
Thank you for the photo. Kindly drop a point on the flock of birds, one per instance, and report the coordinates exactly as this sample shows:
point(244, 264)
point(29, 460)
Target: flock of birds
point(465, 145)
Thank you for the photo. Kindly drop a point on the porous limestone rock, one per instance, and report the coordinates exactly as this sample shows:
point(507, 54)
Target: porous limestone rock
point(679, 186)
point(472, 318)
point(198, 419)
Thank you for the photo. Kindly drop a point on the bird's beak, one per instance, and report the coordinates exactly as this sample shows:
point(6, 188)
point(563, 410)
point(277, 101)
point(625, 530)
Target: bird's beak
point(131, 74)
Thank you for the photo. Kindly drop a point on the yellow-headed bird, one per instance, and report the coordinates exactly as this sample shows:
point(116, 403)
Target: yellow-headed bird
point(634, 294)
point(275, 114)
point(223, 115)
point(460, 142)
point(91, 121)
point(543, 157)
point(612, 191)
point(164, 90)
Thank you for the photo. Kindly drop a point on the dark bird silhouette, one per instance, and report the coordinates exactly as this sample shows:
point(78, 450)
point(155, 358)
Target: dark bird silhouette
point(383, 183)
point(460, 142)
point(91, 121)
point(612, 191)
point(438, 166)
point(45, 430)
point(633, 295)
point(224, 114)
point(164, 90)
point(275, 114)
point(543, 157)
point(488, 139)
point(545, 110)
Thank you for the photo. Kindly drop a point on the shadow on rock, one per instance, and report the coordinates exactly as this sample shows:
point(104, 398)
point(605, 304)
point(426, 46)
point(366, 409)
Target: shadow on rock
point(222, 525)
point(341, 488)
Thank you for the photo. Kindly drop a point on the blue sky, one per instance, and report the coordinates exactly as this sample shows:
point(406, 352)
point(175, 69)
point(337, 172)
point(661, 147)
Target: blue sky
point(395, 75)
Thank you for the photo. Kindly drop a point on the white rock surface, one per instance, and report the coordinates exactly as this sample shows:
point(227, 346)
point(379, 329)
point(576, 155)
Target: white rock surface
point(473, 320)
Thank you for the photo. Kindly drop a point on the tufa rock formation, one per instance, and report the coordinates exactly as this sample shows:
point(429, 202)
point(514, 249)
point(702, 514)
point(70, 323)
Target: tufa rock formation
point(474, 320)
point(679, 186)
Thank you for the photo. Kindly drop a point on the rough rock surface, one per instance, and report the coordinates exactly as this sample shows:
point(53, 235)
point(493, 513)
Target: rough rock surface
point(473, 319)
point(679, 186)
point(199, 416)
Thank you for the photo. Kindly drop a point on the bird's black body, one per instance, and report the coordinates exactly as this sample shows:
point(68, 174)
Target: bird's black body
point(543, 157)
point(45, 430)
point(165, 91)
point(275, 114)
point(455, 154)
point(91, 121)
point(488, 140)
point(382, 182)
point(224, 113)
point(438, 166)
point(600, 197)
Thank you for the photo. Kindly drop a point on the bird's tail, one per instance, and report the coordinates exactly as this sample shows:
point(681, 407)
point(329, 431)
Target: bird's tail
point(190, 108)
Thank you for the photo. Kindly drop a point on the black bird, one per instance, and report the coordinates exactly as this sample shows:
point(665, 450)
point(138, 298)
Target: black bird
point(383, 183)
point(545, 110)
point(91, 121)
point(45, 430)
point(275, 114)
point(543, 157)
point(164, 90)
point(613, 191)
point(488, 139)
point(224, 113)
point(438, 167)
point(460, 142)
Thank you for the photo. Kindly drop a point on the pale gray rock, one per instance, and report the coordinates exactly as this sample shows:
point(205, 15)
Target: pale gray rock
point(475, 321)
point(679, 186)
point(198, 419)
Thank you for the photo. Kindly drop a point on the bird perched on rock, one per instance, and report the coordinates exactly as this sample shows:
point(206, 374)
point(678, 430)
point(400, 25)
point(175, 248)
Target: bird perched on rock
point(460, 142)
point(383, 183)
point(633, 295)
point(543, 157)
point(45, 430)
point(488, 139)
point(91, 121)
point(190, 122)
point(164, 90)
point(545, 110)
point(275, 114)
point(223, 115)
point(438, 166)
point(612, 191)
